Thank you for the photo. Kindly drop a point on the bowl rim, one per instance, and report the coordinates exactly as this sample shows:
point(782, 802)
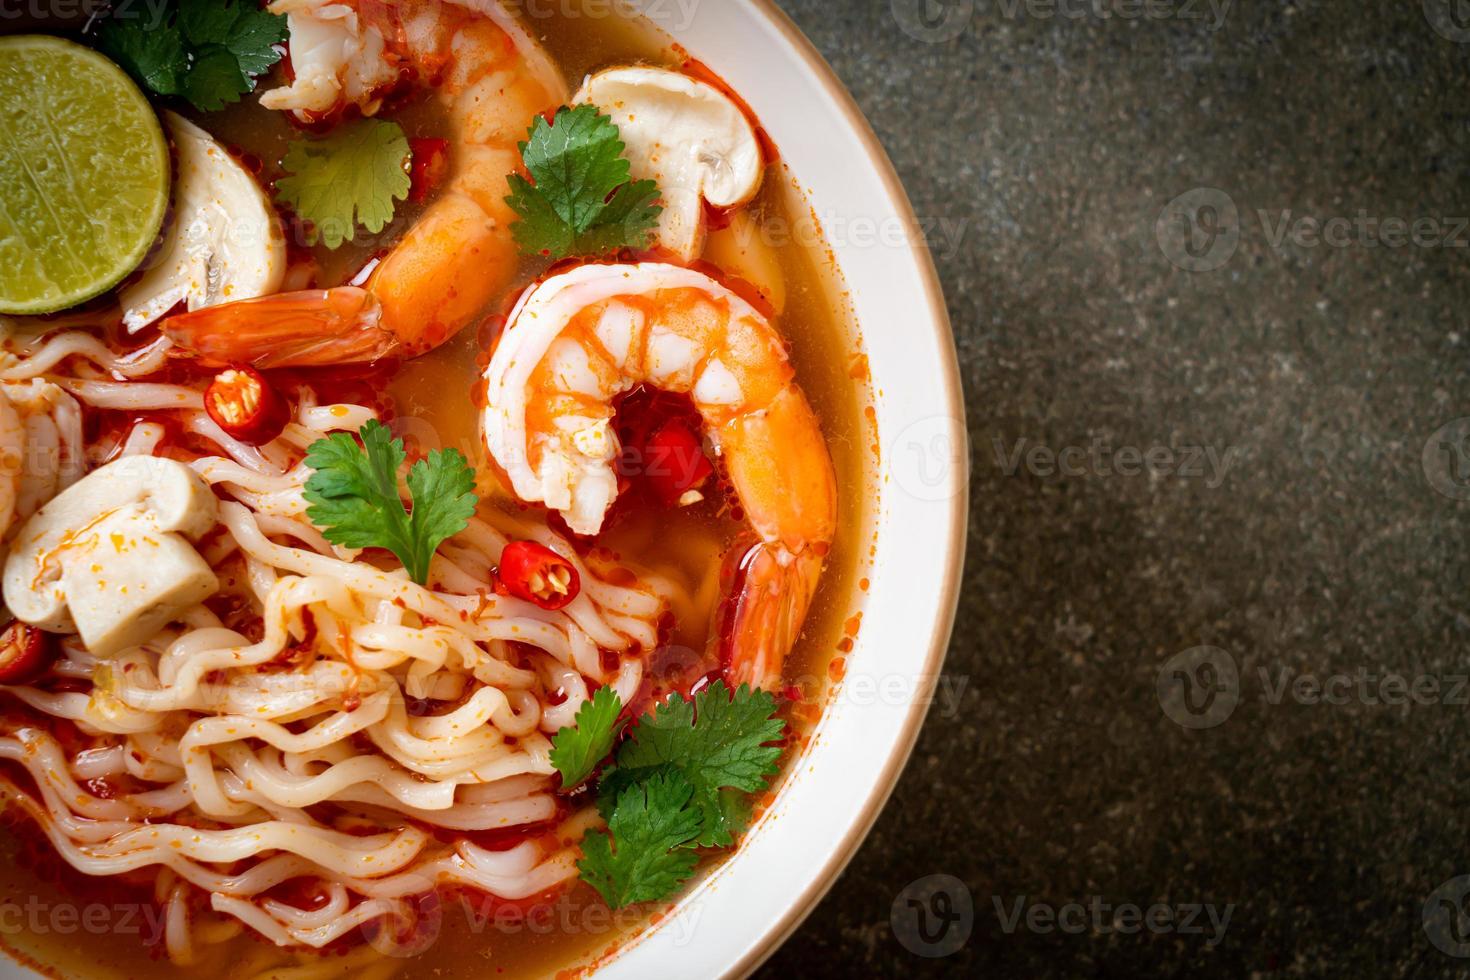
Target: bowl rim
point(804, 903)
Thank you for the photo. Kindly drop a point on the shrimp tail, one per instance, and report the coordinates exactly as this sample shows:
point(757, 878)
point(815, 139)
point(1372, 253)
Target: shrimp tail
point(313, 328)
point(770, 592)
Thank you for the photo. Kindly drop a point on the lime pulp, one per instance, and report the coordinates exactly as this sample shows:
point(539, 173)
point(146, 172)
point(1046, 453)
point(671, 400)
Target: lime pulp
point(84, 174)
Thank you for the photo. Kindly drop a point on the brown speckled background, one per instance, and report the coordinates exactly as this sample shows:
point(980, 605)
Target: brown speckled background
point(1324, 549)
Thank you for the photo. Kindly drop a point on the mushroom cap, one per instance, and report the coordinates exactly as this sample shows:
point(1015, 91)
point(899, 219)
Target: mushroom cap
point(107, 557)
point(225, 241)
point(689, 137)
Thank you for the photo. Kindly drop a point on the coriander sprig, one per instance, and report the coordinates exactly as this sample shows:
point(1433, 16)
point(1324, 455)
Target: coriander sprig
point(582, 201)
point(577, 749)
point(208, 51)
point(356, 176)
point(355, 501)
point(681, 781)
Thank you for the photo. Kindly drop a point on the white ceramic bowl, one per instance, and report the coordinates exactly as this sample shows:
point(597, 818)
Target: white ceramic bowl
point(731, 922)
point(737, 917)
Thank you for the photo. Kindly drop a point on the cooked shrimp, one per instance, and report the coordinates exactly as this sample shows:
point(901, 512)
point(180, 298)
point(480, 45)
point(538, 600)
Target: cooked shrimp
point(493, 79)
point(578, 340)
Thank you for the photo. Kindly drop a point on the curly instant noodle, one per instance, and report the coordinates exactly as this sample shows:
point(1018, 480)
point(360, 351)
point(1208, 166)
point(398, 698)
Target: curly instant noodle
point(319, 718)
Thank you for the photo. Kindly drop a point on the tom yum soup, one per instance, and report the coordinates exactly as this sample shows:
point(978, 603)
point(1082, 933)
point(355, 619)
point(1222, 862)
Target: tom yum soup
point(431, 496)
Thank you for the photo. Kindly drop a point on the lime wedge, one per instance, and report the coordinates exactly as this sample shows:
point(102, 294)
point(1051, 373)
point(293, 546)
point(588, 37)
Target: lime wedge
point(84, 174)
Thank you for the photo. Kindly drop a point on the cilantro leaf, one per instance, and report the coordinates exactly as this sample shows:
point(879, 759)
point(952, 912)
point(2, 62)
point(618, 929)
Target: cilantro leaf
point(577, 749)
point(157, 58)
point(254, 38)
point(627, 220)
point(354, 491)
point(701, 759)
point(354, 496)
point(723, 816)
point(207, 21)
point(208, 51)
point(582, 201)
point(734, 816)
point(718, 743)
point(540, 230)
point(443, 492)
point(642, 857)
point(355, 176)
point(215, 80)
point(577, 161)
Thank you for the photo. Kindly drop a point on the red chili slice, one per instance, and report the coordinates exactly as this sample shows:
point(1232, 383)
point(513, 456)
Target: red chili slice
point(25, 653)
point(675, 463)
point(429, 167)
point(538, 575)
point(247, 406)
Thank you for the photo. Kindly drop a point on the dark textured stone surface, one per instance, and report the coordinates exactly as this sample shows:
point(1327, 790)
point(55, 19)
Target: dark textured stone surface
point(1326, 550)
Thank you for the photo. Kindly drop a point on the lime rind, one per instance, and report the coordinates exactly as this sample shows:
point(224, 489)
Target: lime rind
point(84, 175)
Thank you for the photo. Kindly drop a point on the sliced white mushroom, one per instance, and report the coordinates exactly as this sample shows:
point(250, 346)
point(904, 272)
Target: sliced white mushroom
point(111, 558)
point(224, 243)
point(689, 137)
